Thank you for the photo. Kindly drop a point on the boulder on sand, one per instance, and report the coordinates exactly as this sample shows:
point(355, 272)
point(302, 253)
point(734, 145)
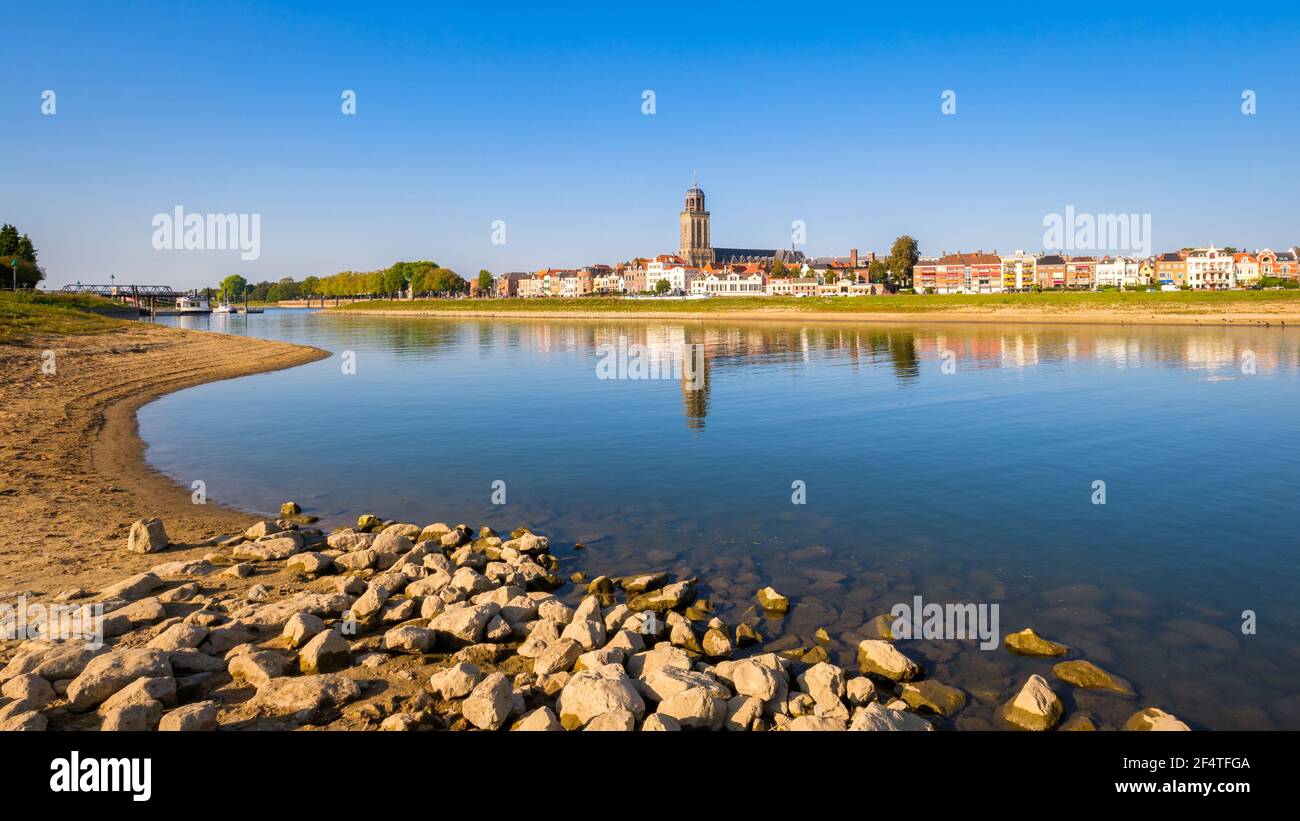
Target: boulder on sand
point(147, 536)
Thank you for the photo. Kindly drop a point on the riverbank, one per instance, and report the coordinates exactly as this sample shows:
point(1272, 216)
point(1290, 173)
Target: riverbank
point(1259, 308)
point(74, 477)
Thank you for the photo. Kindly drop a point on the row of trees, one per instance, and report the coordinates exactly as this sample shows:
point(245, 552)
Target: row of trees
point(15, 248)
point(421, 278)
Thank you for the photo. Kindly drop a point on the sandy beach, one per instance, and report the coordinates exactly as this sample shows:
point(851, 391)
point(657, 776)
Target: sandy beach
point(74, 476)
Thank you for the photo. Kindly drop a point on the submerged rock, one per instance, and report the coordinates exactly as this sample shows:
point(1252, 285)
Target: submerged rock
point(1085, 674)
point(772, 601)
point(1029, 643)
point(933, 696)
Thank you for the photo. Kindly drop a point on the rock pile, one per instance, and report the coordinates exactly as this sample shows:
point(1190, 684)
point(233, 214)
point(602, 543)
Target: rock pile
point(407, 627)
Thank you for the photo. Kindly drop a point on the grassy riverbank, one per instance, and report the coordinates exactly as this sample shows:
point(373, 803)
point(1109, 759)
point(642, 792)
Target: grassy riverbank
point(25, 314)
point(1255, 307)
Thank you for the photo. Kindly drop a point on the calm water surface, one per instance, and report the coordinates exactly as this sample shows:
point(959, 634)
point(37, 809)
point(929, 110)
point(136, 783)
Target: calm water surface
point(970, 486)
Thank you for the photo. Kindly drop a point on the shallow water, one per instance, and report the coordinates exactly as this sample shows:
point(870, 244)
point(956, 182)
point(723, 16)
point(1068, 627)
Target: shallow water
point(975, 485)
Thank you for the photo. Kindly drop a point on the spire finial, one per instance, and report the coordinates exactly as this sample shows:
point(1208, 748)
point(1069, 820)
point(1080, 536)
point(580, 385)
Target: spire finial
point(694, 181)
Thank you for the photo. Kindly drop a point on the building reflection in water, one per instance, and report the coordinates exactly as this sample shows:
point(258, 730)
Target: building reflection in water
point(911, 353)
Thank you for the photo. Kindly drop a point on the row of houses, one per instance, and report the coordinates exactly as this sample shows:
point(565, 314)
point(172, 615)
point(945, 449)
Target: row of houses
point(1207, 268)
point(826, 276)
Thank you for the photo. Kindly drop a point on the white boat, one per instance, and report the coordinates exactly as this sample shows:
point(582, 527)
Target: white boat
point(224, 308)
point(192, 304)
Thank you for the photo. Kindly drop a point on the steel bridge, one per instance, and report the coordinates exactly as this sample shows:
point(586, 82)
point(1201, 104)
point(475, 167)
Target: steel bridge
point(125, 291)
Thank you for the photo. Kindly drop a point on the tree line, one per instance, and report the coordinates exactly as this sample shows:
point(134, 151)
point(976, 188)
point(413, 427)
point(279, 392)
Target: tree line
point(18, 256)
point(421, 278)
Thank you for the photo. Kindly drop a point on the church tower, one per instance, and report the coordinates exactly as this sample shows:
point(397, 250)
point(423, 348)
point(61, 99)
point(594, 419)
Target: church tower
point(696, 246)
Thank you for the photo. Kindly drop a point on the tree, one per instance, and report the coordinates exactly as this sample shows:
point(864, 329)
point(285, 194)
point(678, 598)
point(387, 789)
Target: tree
point(233, 286)
point(661, 287)
point(28, 274)
point(877, 271)
point(26, 251)
point(778, 269)
point(310, 286)
point(446, 281)
point(485, 282)
point(12, 245)
point(8, 241)
point(902, 259)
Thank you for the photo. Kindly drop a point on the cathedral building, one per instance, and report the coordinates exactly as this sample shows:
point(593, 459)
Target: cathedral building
point(697, 243)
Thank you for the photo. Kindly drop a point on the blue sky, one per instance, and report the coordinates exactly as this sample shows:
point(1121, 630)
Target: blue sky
point(470, 113)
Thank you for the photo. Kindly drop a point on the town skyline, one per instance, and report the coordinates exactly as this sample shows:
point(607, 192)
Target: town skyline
point(465, 117)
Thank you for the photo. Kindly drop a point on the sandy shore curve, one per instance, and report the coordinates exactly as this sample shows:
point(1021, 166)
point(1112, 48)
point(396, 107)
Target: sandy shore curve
point(74, 475)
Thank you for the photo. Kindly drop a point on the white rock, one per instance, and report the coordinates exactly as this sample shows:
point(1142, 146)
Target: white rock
point(303, 696)
point(301, 627)
point(408, 638)
point(882, 659)
point(105, 674)
point(539, 720)
point(750, 678)
point(698, 707)
point(557, 656)
point(147, 536)
point(660, 723)
point(590, 693)
point(813, 723)
point(459, 626)
point(664, 682)
point(197, 717)
point(488, 705)
point(742, 711)
point(616, 721)
point(30, 688)
point(587, 633)
point(326, 652)
point(878, 718)
point(456, 681)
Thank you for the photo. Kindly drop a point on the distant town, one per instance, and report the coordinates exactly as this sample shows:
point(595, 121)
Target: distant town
point(699, 269)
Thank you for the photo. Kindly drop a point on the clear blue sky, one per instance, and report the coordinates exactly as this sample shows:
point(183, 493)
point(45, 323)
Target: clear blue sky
point(473, 112)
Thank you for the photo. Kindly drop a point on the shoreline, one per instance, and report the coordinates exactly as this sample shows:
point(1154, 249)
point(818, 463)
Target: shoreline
point(1012, 317)
point(76, 473)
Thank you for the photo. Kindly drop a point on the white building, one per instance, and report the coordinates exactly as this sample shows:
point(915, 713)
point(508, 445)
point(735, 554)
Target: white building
point(792, 286)
point(1018, 272)
point(1209, 269)
point(673, 271)
point(730, 283)
point(1246, 268)
point(1118, 272)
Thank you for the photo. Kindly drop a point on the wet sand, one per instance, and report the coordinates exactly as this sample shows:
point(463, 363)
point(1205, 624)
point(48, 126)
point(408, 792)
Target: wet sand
point(72, 471)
